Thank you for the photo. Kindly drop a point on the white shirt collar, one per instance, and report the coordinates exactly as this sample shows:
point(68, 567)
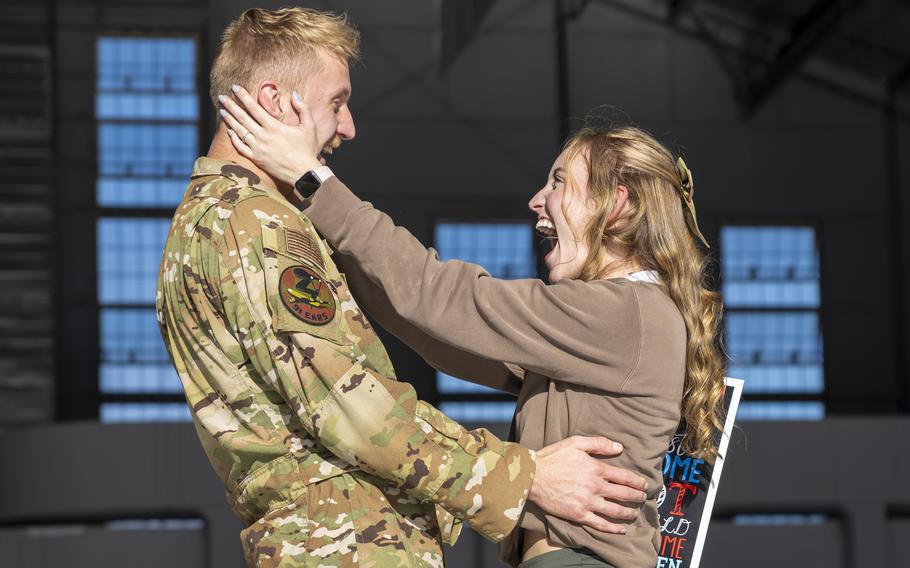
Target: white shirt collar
point(645, 276)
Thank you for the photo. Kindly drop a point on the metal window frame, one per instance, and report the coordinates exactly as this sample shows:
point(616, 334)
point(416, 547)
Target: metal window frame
point(755, 222)
point(79, 395)
point(134, 212)
point(535, 249)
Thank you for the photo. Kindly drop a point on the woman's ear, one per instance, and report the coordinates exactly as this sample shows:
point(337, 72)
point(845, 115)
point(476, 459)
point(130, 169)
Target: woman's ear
point(269, 98)
point(622, 197)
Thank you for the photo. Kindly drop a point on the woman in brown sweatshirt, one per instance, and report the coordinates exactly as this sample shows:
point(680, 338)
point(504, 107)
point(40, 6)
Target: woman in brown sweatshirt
point(621, 342)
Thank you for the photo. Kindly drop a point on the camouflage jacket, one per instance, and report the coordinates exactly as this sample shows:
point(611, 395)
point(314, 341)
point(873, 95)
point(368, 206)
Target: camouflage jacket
point(287, 382)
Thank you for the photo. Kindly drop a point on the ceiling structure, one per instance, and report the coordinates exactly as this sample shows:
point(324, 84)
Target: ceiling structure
point(859, 48)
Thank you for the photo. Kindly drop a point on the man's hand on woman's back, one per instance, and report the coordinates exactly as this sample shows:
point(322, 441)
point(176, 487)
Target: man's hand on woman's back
point(572, 485)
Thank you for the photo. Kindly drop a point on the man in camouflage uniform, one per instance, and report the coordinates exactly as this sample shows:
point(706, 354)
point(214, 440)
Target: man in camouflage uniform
point(294, 397)
point(326, 456)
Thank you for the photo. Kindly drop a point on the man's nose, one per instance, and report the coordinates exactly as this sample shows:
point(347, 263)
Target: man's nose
point(346, 128)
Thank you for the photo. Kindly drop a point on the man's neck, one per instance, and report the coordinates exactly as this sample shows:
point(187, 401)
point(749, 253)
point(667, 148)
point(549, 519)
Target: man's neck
point(222, 149)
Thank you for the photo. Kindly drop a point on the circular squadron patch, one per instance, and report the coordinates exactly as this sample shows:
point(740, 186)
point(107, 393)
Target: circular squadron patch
point(306, 295)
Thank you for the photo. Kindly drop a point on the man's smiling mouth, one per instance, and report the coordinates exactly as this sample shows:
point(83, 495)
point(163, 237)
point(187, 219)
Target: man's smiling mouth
point(329, 148)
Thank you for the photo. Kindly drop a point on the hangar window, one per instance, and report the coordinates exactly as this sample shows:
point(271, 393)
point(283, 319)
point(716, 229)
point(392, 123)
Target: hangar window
point(147, 109)
point(506, 250)
point(772, 297)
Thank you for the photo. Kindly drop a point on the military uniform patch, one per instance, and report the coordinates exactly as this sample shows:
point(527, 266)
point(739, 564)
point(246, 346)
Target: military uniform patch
point(302, 244)
point(306, 295)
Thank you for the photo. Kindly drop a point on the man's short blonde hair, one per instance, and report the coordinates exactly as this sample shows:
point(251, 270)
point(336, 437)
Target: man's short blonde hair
point(278, 44)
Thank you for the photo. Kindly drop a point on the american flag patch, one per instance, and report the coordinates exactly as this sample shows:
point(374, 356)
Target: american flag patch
point(303, 245)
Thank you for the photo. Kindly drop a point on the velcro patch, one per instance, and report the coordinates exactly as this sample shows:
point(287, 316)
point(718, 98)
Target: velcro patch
point(306, 295)
point(304, 246)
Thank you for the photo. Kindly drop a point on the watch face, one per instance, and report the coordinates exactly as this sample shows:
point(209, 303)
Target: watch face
point(307, 184)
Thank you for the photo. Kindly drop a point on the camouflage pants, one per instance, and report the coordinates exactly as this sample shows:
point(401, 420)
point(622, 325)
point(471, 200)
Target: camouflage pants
point(345, 521)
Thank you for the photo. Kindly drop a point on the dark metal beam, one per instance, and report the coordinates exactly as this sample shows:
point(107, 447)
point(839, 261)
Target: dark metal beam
point(460, 21)
point(895, 214)
point(808, 31)
point(734, 72)
point(566, 12)
point(897, 82)
point(563, 106)
point(677, 8)
point(690, 30)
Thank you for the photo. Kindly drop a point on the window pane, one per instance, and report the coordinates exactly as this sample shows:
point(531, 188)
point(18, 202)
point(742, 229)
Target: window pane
point(449, 384)
point(133, 356)
point(119, 191)
point(506, 251)
point(770, 267)
point(145, 412)
point(155, 525)
point(780, 410)
point(129, 254)
point(158, 106)
point(146, 65)
point(131, 336)
point(147, 105)
point(143, 151)
point(781, 519)
point(775, 351)
point(478, 411)
point(772, 296)
point(797, 378)
point(130, 378)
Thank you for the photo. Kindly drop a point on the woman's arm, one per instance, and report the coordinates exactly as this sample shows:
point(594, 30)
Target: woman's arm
point(581, 332)
point(439, 354)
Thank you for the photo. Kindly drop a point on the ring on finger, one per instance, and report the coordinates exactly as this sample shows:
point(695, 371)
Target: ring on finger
point(247, 133)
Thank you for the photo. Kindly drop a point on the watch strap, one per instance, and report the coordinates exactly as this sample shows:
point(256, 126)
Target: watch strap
point(309, 182)
point(323, 173)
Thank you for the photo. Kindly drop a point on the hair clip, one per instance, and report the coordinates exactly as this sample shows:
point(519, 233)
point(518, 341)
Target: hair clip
point(687, 192)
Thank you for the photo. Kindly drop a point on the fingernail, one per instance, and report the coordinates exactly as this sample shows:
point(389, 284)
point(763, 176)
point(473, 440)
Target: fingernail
point(230, 131)
point(297, 96)
point(617, 446)
point(222, 98)
point(235, 88)
point(622, 531)
point(223, 112)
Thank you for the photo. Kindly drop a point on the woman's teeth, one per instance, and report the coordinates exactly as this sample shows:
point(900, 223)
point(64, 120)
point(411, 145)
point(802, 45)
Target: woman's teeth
point(546, 228)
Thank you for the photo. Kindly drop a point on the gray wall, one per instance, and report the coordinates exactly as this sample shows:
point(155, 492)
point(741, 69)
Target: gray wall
point(71, 480)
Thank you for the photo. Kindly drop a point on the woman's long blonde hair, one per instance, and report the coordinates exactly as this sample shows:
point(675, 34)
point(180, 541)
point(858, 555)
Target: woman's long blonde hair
point(655, 235)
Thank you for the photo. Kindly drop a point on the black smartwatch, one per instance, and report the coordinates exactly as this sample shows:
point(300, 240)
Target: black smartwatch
point(309, 182)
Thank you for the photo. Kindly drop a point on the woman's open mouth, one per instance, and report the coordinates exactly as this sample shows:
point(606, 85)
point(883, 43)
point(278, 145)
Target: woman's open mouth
point(547, 230)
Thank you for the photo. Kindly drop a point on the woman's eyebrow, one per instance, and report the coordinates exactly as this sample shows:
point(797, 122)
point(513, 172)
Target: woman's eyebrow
point(558, 171)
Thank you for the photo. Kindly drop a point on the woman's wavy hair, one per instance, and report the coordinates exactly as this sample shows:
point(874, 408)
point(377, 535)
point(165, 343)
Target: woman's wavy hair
point(655, 235)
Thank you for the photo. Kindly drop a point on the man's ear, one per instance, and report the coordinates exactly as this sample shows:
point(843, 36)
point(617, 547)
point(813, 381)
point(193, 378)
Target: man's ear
point(269, 98)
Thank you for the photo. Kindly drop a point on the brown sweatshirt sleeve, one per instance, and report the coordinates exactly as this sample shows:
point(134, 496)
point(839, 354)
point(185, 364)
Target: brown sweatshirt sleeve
point(587, 333)
point(438, 354)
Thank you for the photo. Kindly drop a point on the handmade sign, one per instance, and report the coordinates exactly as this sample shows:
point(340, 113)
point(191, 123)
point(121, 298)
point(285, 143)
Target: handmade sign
point(690, 486)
